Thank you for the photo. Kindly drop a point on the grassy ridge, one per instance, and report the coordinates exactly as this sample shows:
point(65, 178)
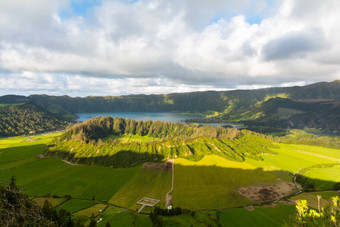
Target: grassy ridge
point(128, 142)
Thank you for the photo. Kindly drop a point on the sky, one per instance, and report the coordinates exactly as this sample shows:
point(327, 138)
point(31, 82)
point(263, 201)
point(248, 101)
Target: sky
point(121, 47)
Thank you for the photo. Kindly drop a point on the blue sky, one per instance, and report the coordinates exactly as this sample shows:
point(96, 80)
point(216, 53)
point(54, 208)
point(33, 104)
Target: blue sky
point(80, 7)
point(114, 47)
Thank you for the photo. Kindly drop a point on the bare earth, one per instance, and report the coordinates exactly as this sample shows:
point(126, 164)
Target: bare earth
point(267, 192)
point(161, 166)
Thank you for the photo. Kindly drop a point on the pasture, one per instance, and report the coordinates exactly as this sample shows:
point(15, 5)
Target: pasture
point(148, 182)
point(292, 157)
point(324, 178)
point(312, 198)
point(215, 179)
point(210, 183)
point(75, 205)
point(259, 216)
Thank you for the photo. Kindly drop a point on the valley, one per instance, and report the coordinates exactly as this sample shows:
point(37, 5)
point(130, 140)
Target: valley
point(210, 187)
point(241, 157)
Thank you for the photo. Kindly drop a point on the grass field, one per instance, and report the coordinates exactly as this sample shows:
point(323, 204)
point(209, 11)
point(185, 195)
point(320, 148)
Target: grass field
point(292, 157)
point(214, 179)
point(119, 217)
point(260, 216)
point(53, 176)
point(75, 205)
point(53, 201)
point(324, 177)
point(312, 200)
point(94, 210)
point(210, 183)
point(150, 183)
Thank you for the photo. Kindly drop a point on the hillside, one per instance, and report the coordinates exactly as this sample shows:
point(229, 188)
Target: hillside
point(120, 142)
point(287, 113)
point(220, 101)
point(27, 118)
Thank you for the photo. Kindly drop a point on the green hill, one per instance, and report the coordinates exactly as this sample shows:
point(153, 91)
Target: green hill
point(220, 101)
point(287, 113)
point(102, 141)
point(27, 118)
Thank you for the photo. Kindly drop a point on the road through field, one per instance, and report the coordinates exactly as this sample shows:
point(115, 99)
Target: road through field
point(168, 196)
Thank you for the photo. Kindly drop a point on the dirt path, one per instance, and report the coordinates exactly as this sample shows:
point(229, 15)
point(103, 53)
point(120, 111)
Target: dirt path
point(70, 163)
point(168, 196)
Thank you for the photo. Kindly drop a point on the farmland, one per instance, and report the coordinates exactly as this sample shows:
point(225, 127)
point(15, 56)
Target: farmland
point(111, 194)
point(214, 179)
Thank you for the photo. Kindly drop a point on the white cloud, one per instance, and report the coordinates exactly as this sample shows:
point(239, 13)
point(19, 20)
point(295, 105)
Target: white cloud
point(167, 46)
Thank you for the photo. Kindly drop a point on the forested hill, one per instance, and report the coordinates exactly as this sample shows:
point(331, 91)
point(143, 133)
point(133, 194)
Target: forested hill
point(118, 142)
point(25, 118)
point(287, 113)
point(220, 101)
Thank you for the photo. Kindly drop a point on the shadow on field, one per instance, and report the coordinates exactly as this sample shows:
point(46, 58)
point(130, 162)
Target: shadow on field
point(214, 187)
point(121, 159)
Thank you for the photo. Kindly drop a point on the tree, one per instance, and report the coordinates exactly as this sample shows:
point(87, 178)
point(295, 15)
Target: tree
point(329, 216)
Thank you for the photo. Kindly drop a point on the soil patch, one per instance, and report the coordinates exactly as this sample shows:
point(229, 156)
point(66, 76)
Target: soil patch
point(154, 165)
point(267, 192)
point(287, 202)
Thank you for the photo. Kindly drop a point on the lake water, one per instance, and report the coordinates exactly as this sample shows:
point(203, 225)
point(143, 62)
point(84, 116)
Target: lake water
point(144, 116)
point(160, 116)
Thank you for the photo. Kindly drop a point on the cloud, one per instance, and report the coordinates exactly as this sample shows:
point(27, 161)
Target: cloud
point(193, 44)
point(296, 44)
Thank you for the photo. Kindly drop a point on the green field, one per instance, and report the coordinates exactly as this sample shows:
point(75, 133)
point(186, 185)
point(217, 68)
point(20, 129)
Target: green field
point(211, 183)
point(94, 210)
point(75, 205)
point(292, 157)
point(146, 183)
point(260, 216)
point(324, 177)
point(53, 176)
point(119, 217)
point(312, 200)
point(53, 201)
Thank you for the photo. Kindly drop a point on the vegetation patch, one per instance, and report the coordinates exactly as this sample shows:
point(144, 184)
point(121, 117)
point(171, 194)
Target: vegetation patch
point(259, 216)
point(312, 198)
point(83, 143)
point(53, 200)
point(27, 118)
point(75, 205)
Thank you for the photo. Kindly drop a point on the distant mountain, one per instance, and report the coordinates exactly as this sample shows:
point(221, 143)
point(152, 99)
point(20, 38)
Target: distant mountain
point(288, 113)
point(13, 99)
point(199, 102)
point(27, 118)
point(223, 104)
